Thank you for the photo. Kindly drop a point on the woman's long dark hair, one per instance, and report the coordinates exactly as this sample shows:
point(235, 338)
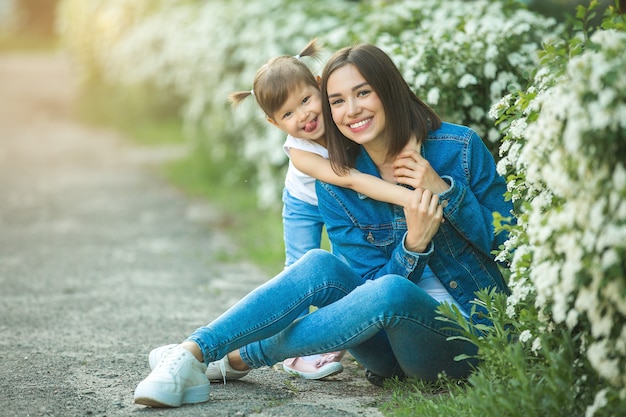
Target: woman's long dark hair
point(405, 113)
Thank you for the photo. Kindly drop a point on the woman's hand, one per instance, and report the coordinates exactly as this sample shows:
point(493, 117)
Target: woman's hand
point(423, 216)
point(410, 168)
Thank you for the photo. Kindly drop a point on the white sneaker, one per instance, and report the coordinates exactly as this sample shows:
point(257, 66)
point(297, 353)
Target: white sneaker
point(221, 370)
point(216, 371)
point(157, 353)
point(177, 379)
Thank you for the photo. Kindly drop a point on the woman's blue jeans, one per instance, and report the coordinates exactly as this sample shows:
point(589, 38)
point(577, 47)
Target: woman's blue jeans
point(387, 324)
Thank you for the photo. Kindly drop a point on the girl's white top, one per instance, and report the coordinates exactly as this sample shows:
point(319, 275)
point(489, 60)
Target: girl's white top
point(300, 185)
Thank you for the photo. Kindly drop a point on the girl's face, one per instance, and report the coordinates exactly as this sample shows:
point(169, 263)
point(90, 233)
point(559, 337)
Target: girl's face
point(356, 108)
point(301, 115)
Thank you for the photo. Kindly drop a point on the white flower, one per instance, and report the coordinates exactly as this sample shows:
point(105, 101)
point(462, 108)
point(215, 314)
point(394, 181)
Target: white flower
point(467, 79)
point(599, 402)
point(420, 79)
point(517, 128)
point(490, 69)
point(598, 354)
point(536, 347)
point(433, 96)
point(572, 318)
point(525, 336)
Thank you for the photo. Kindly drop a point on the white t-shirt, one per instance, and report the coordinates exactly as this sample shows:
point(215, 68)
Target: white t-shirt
point(431, 284)
point(300, 185)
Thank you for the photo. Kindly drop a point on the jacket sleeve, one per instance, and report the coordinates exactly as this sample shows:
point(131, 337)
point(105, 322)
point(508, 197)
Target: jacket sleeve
point(478, 199)
point(371, 252)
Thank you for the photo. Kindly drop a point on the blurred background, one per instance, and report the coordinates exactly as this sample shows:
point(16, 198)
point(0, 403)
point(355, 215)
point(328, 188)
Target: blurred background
point(161, 69)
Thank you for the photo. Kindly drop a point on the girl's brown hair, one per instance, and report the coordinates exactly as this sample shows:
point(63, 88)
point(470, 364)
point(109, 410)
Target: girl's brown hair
point(405, 113)
point(275, 80)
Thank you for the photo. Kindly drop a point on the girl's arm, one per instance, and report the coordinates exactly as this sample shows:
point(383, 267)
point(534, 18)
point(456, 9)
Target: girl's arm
point(317, 167)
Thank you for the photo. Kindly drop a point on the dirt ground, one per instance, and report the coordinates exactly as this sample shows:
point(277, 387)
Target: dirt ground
point(101, 260)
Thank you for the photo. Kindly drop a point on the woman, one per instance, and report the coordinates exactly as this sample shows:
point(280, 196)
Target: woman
point(378, 296)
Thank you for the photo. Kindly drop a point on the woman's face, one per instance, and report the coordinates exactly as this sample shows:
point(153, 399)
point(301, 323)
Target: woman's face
point(355, 107)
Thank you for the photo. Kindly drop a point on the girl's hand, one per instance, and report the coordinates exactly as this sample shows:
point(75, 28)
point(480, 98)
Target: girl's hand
point(423, 217)
point(412, 169)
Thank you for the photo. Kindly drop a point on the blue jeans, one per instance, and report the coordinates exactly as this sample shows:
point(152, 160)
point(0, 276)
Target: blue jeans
point(387, 324)
point(302, 227)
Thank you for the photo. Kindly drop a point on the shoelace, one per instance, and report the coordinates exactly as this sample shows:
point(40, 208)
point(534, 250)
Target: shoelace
point(168, 361)
point(223, 369)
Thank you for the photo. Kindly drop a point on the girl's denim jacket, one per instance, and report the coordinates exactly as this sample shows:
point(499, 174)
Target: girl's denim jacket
point(369, 234)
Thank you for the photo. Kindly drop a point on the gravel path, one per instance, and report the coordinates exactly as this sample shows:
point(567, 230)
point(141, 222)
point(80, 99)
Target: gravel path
point(101, 260)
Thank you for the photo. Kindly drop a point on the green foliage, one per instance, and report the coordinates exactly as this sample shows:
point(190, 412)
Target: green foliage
point(565, 169)
point(524, 369)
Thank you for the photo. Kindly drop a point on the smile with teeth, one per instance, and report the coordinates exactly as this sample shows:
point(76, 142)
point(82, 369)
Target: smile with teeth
point(360, 124)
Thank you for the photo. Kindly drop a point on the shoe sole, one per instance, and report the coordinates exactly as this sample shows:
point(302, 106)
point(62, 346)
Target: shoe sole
point(151, 396)
point(230, 376)
point(327, 370)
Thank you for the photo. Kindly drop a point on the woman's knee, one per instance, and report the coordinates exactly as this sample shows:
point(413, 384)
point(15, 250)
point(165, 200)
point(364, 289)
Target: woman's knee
point(322, 268)
point(317, 255)
point(396, 290)
point(317, 260)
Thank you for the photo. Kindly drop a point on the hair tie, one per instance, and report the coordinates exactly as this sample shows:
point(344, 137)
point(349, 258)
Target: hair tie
point(252, 92)
point(297, 57)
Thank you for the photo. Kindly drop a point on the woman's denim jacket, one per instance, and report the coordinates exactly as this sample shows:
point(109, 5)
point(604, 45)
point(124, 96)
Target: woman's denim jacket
point(369, 234)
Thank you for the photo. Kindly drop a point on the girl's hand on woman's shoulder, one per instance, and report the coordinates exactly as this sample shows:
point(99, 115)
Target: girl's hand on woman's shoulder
point(410, 168)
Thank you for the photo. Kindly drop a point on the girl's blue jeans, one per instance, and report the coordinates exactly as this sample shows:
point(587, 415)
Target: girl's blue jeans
point(302, 227)
point(387, 324)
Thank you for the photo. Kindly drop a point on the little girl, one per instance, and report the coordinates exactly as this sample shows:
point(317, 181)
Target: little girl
point(288, 93)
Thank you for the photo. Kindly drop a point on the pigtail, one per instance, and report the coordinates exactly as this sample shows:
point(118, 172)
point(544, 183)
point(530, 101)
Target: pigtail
point(274, 81)
point(237, 97)
point(311, 49)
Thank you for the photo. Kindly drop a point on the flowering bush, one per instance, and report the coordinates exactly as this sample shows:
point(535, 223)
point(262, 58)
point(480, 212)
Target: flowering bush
point(459, 56)
point(564, 156)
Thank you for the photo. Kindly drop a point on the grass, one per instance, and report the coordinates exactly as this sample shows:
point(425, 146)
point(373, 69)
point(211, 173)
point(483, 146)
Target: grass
point(426, 399)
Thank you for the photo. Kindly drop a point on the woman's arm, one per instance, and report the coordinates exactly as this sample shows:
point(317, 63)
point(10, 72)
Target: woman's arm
point(372, 249)
point(373, 187)
point(477, 198)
